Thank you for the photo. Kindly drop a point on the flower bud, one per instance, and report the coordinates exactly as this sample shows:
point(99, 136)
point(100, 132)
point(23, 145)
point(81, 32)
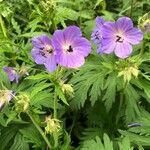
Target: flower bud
point(5, 97)
point(144, 23)
point(23, 71)
point(67, 88)
point(22, 103)
point(52, 125)
point(128, 72)
point(128, 68)
point(48, 5)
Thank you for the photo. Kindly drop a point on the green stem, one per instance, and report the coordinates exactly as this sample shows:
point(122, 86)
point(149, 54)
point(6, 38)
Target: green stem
point(3, 27)
point(54, 24)
point(120, 105)
point(142, 49)
point(131, 10)
point(55, 116)
point(55, 105)
point(73, 124)
point(121, 102)
point(40, 131)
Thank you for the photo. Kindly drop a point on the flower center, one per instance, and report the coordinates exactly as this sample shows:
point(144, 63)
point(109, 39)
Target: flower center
point(46, 51)
point(98, 35)
point(119, 39)
point(68, 48)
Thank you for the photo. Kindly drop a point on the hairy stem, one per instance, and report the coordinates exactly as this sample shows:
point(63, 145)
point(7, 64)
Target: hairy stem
point(55, 105)
point(40, 130)
point(55, 116)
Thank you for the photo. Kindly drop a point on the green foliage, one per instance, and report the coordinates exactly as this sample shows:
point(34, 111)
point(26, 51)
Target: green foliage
point(8, 134)
point(97, 144)
point(131, 97)
point(125, 144)
point(110, 94)
point(32, 136)
point(19, 143)
point(141, 134)
point(85, 81)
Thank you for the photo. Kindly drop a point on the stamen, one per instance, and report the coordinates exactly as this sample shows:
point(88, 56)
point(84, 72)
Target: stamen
point(70, 49)
point(42, 53)
point(97, 34)
point(119, 39)
point(49, 50)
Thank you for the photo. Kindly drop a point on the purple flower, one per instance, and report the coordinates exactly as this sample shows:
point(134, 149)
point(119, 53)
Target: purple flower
point(97, 33)
point(118, 37)
point(12, 74)
point(71, 47)
point(43, 52)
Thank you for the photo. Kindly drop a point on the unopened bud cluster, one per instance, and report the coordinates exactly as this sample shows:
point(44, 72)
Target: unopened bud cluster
point(127, 69)
point(67, 88)
point(144, 23)
point(22, 103)
point(52, 125)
